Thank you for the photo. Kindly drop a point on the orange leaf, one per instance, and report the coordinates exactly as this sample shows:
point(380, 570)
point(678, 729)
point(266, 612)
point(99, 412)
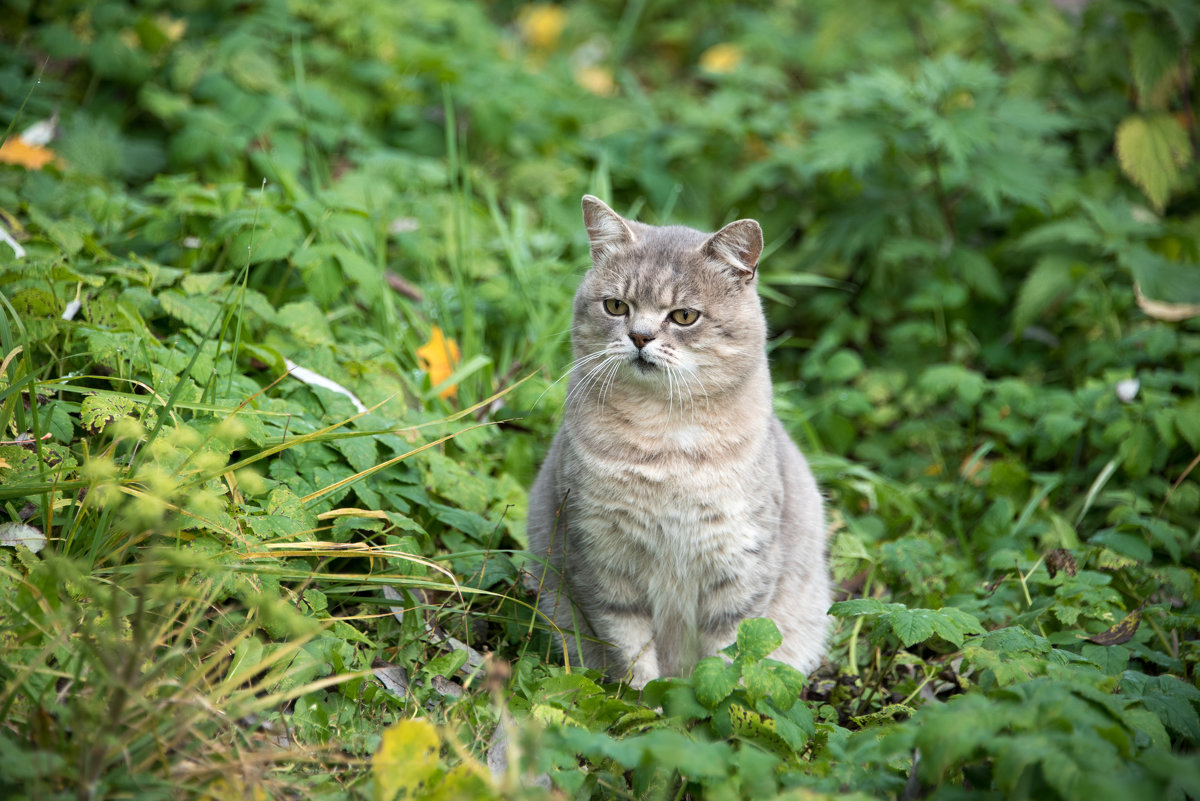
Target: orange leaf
point(31, 157)
point(437, 357)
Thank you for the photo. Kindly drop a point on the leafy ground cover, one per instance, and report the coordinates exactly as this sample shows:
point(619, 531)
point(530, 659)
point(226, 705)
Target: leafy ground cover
point(226, 581)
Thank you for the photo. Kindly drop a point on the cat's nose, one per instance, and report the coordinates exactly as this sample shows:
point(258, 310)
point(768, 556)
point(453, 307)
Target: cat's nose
point(640, 339)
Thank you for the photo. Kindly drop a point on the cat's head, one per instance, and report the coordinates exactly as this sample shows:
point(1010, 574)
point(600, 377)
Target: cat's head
point(668, 308)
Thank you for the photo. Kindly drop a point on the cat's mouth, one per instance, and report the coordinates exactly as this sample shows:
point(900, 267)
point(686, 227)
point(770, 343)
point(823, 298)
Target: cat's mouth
point(642, 364)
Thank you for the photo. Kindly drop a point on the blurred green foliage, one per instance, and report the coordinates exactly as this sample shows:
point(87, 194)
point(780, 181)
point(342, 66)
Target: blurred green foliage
point(982, 274)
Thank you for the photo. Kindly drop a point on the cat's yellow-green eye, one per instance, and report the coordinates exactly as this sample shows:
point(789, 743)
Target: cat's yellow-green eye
point(685, 316)
point(616, 307)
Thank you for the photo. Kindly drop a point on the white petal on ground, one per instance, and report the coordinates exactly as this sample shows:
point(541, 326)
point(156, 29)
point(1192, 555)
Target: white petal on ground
point(12, 243)
point(316, 380)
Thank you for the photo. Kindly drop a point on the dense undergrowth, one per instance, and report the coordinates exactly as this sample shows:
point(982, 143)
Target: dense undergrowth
point(983, 275)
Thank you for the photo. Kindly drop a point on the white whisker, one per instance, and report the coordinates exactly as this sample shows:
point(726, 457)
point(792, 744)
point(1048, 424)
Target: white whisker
point(577, 363)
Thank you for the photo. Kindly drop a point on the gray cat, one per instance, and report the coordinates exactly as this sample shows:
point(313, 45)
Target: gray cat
point(672, 504)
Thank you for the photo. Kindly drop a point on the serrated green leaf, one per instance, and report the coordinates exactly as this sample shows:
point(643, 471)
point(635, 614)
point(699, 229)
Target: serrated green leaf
point(197, 313)
point(1188, 422)
point(1154, 58)
point(714, 680)
point(857, 606)
point(282, 502)
point(1176, 713)
point(1152, 150)
point(205, 283)
point(1111, 659)
point(911, 625)
point(978, 273)
point(1048, 281)
point(306, 322)
point(757, 638)
point(952, 624)
point(101, 409)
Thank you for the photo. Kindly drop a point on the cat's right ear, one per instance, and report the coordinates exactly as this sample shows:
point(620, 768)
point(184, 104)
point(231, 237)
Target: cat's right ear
point(607, 230)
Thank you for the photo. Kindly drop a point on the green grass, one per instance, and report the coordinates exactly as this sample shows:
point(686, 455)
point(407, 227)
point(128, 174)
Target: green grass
point(981, 221)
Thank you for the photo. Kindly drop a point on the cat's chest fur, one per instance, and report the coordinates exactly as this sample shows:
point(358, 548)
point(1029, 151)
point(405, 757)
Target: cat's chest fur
point(672, 503)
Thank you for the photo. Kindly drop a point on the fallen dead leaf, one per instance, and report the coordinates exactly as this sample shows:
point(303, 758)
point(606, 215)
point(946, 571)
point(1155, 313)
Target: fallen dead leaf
point(16, 150)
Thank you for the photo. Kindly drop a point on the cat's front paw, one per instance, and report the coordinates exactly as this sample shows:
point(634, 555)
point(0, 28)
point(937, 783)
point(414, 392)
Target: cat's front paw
point(641, 673)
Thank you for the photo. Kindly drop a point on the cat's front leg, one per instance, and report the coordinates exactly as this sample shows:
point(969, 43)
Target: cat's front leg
point(631, 635)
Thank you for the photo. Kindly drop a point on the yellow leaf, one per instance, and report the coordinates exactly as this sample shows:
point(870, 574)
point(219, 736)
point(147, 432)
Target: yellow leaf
point(406, 760)
point(437, 357)
point(597, 80)
point(32, 157)
point(172, 28)
point(721, 58)
point(541, 24)
point(465, 781)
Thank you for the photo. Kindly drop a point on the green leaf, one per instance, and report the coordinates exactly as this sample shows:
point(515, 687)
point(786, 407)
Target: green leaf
point(197, 313)
point(714, 680)
point(1048, 281)
point(1152, 150)
point(247, 657)
point(1154, 58)
point(1164, 280)
point(1126, 544)
point(978, 273)
point(682, 702)
point(1111, 659)
point(951, 624)
point(857, 606)
point(911, 625)
point(761, 682)
point(282, 502)
point(757, 638)
point(101, 409)
point(1138, 451)
point(445, 665)
point(940, 380)
point(759, 728)
point(406, 760)
point(1188, 422)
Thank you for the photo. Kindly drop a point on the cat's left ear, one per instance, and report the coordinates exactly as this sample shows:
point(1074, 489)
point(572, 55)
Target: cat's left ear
point(737, 247)
point(607, 230)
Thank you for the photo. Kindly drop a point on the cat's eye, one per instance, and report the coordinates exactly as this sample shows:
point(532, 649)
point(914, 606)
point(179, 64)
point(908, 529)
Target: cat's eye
point(685, 316)
point(616, 307)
